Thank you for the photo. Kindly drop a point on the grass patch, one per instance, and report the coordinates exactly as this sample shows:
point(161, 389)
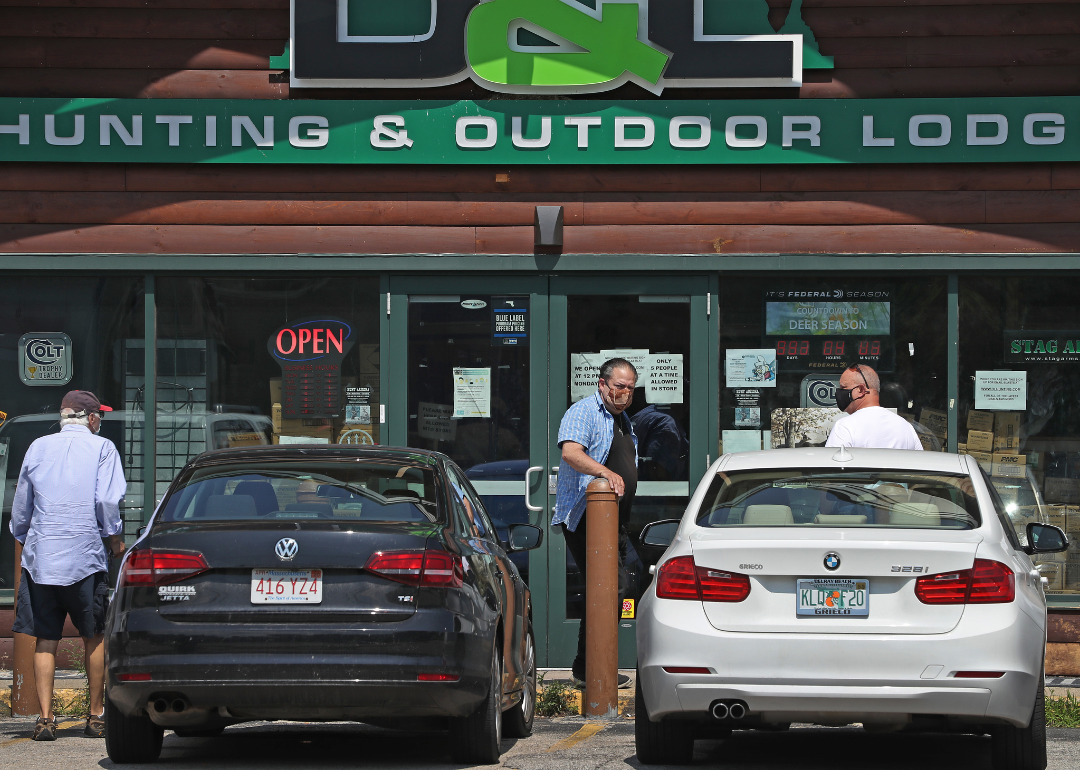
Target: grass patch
point(555, 699)
point(1063, 712)
point(79, 704)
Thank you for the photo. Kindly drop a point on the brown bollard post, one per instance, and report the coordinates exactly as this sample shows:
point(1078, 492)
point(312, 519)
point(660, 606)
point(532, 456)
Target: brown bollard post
point(24, 699)
point(601, 601)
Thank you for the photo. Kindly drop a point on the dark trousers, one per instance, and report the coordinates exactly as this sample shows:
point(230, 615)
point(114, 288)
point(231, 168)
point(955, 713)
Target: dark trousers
point(575, 543)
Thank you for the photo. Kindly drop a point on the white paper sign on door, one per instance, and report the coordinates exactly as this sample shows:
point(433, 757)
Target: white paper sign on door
point(434, 421)
point(584, 369)
point(1005, 391)
point(663, 378)
point(472, 392)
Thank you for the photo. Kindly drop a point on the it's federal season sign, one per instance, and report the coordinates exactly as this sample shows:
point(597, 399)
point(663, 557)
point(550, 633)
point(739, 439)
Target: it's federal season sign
point(548, 46)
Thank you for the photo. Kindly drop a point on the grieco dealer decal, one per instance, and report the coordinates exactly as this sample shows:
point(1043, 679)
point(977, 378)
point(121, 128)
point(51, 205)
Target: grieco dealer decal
point(45, 358)
point(548, 46)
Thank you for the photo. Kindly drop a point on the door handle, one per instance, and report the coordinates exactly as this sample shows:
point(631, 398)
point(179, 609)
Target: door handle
point(528, 485)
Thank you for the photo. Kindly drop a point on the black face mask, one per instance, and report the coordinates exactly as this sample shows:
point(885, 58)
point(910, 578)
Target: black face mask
point(843, 398)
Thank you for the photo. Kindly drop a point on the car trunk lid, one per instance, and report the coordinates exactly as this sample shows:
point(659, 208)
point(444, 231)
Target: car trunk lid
point(891, 560)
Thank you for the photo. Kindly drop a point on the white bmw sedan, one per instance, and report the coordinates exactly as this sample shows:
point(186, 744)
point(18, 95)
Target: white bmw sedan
point(832, 587)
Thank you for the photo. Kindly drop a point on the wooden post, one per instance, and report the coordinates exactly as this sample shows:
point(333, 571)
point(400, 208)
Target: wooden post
point(24, 699)
point(601, 601)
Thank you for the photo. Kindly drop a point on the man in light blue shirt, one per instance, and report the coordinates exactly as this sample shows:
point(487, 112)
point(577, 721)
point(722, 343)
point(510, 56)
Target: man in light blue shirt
point(597, 440)
point(66, 503)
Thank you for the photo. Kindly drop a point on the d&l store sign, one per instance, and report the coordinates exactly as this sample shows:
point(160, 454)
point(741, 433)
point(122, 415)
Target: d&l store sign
point(1022, 129)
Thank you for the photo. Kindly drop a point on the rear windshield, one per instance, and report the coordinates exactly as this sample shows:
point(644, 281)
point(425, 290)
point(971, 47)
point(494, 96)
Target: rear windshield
point(852, 498)
point(352, 490)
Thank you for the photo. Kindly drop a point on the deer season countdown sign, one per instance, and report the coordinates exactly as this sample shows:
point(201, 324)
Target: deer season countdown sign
point(310, 354)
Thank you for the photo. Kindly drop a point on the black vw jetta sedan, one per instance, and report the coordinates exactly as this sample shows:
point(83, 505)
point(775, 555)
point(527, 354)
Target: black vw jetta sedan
point(321, 583)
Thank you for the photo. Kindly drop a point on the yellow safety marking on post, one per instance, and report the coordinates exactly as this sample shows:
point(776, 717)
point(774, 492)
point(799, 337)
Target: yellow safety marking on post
point(586, 732)
point(59, 726)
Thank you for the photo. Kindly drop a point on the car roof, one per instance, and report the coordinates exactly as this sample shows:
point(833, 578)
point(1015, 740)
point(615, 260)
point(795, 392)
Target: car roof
point(315, 451)
point(826, 457)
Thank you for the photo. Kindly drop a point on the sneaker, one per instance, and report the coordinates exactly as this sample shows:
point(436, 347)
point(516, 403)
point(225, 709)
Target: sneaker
point(45, 729)
point(95, 726)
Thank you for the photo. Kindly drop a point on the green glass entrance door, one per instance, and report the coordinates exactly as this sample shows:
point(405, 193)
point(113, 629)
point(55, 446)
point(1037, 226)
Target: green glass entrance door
point(665, 326)
point(468, 378)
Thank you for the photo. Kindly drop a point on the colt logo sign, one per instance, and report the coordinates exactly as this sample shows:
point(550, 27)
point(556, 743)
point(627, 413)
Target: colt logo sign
point(548, 46)
point(45, 358)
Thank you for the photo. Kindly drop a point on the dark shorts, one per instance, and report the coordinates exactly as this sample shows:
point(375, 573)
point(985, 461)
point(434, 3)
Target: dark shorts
point(41, 609)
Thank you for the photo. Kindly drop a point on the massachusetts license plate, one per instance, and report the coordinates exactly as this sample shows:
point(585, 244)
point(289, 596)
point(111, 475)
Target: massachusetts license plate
point(286, 586)
point(842, 597)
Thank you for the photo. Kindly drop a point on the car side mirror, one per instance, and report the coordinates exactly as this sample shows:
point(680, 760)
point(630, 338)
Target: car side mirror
point(659, 533)
point(1045, 538)
point(524, 537)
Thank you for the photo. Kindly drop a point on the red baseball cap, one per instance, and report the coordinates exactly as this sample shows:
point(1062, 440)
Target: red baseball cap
point(83, 401)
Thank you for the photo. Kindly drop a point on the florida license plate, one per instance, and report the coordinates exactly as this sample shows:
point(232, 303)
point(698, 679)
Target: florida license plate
point(286, 586)
point(824, 597)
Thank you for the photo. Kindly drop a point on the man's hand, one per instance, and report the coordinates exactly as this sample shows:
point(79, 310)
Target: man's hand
point(615, 480)
point(116, 546)
point(578, 459)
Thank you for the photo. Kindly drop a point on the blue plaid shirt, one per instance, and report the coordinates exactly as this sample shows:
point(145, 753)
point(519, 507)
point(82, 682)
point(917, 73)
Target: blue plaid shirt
point(589, 423)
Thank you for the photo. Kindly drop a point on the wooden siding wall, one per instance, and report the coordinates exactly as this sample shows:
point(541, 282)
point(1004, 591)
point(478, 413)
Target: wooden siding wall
point(220, 48)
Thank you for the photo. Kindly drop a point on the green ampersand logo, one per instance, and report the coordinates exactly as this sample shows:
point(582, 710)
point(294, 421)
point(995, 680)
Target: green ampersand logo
point(607, 46)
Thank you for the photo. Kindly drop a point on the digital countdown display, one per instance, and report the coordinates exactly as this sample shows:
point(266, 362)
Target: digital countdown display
point(824, 354)
point(824, 331)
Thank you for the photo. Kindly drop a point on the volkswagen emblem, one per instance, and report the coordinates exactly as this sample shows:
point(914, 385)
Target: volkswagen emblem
point(832, 560)
point(286, 549)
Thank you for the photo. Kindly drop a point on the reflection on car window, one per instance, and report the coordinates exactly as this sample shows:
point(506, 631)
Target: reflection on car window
point(345, 490)
point(849, 498)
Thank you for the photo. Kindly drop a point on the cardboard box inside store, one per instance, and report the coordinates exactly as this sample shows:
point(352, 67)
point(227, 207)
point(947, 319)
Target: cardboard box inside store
point(985, 460)
point(1054, 573)
point(1058, 515)
point(980, 441)
point(1007, 431)
point(983, 421)
point(936, 421)
point(1009, 465)
point(1061, 491)
point(1072, 576)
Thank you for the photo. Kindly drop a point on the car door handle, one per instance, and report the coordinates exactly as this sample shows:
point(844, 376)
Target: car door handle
point(528, 486)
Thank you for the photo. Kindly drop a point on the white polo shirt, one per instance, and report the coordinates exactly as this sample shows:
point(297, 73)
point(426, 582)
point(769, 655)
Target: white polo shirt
point(874, 427)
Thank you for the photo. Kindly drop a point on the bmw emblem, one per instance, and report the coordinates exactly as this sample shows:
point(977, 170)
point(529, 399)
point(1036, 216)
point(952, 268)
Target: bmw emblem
point(286, 549)
point(832, 561)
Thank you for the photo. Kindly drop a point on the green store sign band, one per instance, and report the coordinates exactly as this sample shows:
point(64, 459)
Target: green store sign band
point(541, 132)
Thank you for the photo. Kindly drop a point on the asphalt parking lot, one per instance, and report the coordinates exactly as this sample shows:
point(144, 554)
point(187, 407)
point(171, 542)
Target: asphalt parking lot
point(556, 744)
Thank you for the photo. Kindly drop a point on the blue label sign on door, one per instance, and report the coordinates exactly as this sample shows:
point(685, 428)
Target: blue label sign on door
point(509, 321)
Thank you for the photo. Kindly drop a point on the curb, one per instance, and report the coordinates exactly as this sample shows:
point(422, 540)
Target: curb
point(62, 700)
point(626, 702)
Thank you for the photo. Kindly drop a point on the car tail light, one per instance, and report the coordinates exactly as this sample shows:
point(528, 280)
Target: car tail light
point(148, 567)
point(681, 578)
point(437, 677)
point(133, 677)
point(988, 582)
point(430, 569)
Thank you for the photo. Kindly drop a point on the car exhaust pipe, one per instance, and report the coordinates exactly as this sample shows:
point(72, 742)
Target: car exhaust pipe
point(178, 706)
point(720, 710)
point(161, 705)
point(737, 711)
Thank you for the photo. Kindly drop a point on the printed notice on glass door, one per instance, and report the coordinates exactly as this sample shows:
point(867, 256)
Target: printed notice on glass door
point(663, 378)
point(1005, 391)
point(637, 356)
point(472, 393)
point(751, 368)
point(584, 369)
point(435, 421)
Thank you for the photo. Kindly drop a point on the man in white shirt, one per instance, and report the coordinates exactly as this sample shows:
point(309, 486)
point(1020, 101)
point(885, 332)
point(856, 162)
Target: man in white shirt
point(868, 424)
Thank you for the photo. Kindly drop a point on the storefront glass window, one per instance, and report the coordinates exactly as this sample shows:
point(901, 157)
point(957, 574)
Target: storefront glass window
point(785, 342)
point(61, 333)
point(1019, 375)
point(249, 361)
